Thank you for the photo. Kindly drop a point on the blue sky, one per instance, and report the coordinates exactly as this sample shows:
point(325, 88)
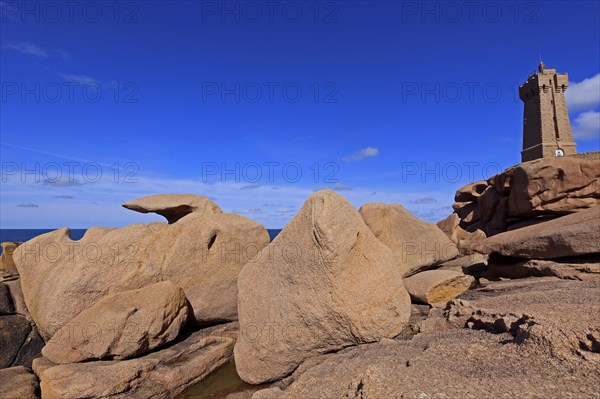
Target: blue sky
point(258, 104)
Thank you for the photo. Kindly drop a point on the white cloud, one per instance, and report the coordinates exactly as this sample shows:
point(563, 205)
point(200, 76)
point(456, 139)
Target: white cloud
point(584, 94)
point(587, 125)
point(35, 50)
point(81, 79)
point(28, 48)
point(362, 154)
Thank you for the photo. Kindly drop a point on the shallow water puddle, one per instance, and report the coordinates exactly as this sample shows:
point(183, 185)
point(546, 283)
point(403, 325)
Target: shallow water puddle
point(223, 382)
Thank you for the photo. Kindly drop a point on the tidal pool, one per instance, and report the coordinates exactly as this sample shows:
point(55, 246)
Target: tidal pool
point(222, 383)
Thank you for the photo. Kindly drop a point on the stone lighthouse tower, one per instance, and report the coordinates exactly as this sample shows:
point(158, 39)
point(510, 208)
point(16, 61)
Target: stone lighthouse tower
point(546, 127)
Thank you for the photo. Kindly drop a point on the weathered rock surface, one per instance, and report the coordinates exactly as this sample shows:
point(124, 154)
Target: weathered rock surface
point(465, 242)
point(121, 325)
point(173, 206)
point(556, 185)
point(450, 364)
point(416, 245)
point(433, 286)
point(558, 319)
point(161, 374)
point(19, 341)
point(471, 191)
point(18, 383)
point(13, 333)
point(586, 268)
point(17, 299)
point(528, 193)
point(472, 264)
point(6, 259)
point(6, 303)
point(325, 282)
point(572, 235)
point(542, 342)
point(202, 252)
point(8, 275)
point(270, 393)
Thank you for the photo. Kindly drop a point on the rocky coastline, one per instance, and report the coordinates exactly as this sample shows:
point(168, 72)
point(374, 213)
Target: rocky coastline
point(500, 299)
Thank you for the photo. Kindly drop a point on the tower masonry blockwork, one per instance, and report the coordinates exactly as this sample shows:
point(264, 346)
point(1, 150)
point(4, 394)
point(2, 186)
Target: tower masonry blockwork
point(546, 127)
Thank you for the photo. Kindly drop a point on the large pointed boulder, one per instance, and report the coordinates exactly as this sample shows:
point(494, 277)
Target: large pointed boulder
point(416, 244)
point(324, 283)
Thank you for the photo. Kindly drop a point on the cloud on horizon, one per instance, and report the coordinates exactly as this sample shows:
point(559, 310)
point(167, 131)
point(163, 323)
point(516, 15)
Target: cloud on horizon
point(251, 186)
point(367, 152)
point(424, 200)
point(28, 205)
point(272, 208)
point(63, 181)
point(434, 215)
point(286, 211)
point(64, 196)
point(342, 187)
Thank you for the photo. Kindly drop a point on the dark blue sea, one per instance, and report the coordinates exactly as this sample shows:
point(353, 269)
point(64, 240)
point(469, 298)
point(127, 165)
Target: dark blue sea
point(22, 235)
